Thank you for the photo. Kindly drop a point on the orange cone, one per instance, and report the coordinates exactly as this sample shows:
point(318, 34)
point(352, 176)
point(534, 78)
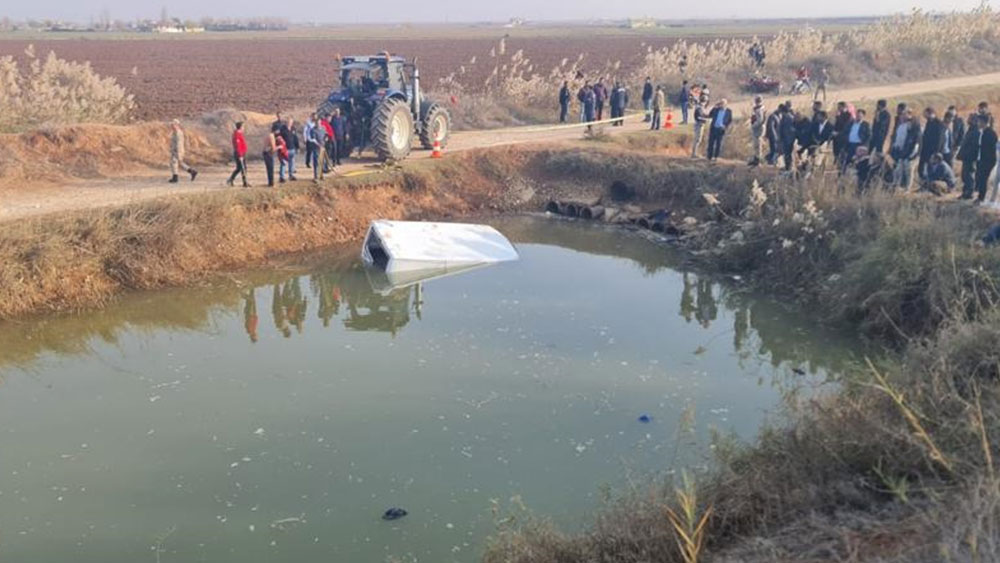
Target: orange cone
point(668, 122)
point(437, 150)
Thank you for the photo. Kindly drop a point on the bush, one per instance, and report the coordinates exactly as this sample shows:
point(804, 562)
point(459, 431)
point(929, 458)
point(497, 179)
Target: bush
point(57, 91)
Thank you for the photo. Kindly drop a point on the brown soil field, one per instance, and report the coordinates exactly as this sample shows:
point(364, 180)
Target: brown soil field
point(185, 78)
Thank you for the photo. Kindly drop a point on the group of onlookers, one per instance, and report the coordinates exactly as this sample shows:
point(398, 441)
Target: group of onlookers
point(593, 98)
point(888, 149)
point(324, 137)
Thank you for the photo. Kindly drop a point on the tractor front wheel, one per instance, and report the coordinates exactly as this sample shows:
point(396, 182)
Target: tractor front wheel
point(392, 130)
point(436, 127)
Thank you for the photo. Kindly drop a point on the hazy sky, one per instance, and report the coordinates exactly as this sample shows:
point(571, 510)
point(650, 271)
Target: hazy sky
point(348, 11)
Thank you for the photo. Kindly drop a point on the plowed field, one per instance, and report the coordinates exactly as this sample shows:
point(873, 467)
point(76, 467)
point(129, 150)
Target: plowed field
point(186, 77)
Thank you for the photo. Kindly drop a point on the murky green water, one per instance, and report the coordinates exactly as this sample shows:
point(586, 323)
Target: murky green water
point(276, 417)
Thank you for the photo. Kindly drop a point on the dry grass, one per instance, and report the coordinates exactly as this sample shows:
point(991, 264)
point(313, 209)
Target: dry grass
point(906, 47)
point(899, 465)
point(54, 91)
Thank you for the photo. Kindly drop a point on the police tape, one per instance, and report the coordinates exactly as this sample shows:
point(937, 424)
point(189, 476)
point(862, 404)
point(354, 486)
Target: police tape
point(567, 126)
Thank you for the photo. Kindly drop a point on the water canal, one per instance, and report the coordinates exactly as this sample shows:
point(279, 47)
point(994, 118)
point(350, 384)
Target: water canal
point(274, 415)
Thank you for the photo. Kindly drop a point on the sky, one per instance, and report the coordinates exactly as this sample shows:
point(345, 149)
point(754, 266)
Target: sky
point(466, 10)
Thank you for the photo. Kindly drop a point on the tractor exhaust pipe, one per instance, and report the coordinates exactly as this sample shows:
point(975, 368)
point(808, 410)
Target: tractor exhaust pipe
point(415, 102)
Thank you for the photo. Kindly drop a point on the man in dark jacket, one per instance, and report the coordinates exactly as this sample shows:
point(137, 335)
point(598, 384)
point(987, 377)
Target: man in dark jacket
point(581, 95)
point(619, 101)
point(880, 127)
point(339, 124)
point(987, 158)
point(822, 131)
point(684, 98)
point(600, 97)
point(291, 138)
point(564, 99)
point(900, 113)
point(858, 134)
point(948, 145)
point(772, 130)
point(968, 154)
point(957, 129)
point(647, 99)
point(841, 121)
point(932, 141)
point(905, 147)
point(719, 120)
point(786, 134)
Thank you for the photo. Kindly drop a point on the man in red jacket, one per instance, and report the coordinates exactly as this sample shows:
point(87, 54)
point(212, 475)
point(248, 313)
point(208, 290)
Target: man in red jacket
point(239, 155)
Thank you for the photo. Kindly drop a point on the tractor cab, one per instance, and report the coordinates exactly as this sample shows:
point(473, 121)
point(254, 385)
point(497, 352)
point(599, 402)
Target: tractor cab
point(369, 75)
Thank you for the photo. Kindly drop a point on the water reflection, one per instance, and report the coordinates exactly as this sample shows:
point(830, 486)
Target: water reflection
point(342, 292)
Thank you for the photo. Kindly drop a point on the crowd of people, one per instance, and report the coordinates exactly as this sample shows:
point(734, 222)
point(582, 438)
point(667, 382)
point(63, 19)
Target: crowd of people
point(593, 98)
point(887, 150)
point(903, 151)
point(325, 139)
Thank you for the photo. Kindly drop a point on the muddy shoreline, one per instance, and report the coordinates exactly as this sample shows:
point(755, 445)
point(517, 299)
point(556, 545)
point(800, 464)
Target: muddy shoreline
point(81, 260)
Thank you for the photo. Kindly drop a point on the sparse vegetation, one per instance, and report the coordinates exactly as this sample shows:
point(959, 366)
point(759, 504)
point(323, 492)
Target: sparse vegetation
point(907, 47)
point(899, 464)
point(53, 91)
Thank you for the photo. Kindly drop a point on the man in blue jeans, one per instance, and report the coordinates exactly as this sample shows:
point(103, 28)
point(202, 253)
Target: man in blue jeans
point(720, 118)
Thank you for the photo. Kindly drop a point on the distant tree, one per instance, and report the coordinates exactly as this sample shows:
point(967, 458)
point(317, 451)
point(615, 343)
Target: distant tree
point(164, 19)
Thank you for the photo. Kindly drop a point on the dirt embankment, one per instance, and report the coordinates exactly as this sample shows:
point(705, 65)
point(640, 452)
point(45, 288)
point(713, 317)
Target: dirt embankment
point(58, 154)
point(83, 258)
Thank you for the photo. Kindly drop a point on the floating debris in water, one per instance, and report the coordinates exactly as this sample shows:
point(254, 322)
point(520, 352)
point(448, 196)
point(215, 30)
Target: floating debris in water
point(259, 432)
point(394, 513)
point(645, 418)
point(285, 523)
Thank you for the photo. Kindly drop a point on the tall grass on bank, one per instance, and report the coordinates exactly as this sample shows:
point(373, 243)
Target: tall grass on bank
point(50, 91)
point(916, 45)
point(899, 464)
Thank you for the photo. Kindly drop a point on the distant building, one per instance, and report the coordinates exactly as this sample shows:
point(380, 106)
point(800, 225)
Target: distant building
point(514, 22)
point(641, 23)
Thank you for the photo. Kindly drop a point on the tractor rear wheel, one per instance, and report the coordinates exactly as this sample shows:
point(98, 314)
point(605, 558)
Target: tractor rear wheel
point(392, 129)
point(436, 126)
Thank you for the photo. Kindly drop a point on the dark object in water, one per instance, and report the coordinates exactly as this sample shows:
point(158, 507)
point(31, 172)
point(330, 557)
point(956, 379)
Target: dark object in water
point(645, 418)
point(394, 513)
point(798, 371)
point(992, 236)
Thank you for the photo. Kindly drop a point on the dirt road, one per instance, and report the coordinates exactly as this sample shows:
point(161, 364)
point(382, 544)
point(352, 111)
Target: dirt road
point(32, 201)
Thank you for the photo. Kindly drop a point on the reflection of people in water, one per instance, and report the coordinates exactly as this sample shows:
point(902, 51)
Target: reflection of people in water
point(687, 299)
point(706, 310)
point(278, 312)
point(741, 327)
point(329, 300)
point(250, 314)
point(295, 303)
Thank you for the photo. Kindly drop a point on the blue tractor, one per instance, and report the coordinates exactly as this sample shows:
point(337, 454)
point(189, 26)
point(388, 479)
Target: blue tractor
point(381, 100)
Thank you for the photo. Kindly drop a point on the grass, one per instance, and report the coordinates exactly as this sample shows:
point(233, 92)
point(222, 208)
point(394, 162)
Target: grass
point(899, 463)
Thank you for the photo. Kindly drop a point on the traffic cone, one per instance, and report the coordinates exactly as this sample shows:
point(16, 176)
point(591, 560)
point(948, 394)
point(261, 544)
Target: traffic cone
point(437, 150)
point(668, 122)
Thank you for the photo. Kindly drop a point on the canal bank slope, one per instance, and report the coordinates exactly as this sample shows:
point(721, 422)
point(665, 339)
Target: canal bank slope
point(868, 473)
